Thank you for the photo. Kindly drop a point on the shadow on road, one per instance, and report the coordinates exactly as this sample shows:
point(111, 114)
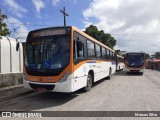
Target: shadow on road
point(41, 100)
point(124, 73)
point(36, 100)
point(81, 91)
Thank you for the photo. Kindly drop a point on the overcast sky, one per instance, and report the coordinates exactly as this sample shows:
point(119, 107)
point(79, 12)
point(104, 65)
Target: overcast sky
point(135, 24)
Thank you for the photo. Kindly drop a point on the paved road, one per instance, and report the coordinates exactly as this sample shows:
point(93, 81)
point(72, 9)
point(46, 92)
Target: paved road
point(122, 93)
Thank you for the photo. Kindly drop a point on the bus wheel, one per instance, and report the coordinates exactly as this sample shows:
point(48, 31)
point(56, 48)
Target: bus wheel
point(141, 73)
point(89, 83)
point(110, 74)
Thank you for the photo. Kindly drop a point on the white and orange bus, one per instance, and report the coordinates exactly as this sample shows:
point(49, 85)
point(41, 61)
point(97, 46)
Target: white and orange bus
point(65, 59)
point(119, 63)
point(135, 62)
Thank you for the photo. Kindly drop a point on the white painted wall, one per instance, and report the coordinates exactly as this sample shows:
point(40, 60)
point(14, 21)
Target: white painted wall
point(5, 56)
point(11, 61)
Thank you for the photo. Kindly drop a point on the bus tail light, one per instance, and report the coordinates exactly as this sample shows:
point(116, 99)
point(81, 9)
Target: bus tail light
point(65, 76)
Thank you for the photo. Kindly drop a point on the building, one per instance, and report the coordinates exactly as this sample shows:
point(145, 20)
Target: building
point(155, 63)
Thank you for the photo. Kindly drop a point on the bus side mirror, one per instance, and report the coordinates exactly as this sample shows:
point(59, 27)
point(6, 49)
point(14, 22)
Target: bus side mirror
point(17, 44)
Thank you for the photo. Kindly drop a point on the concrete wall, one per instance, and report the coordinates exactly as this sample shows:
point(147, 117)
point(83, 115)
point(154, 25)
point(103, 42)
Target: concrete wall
point(10, 79)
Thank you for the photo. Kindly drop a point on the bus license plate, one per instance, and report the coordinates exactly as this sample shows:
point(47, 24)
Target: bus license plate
point(41, 89)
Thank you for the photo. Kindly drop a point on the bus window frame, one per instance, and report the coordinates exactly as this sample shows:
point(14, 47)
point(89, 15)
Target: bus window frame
point(76, 42)
point(77, 37)
point(97, 45)
point(104, 53)
point(91, 49)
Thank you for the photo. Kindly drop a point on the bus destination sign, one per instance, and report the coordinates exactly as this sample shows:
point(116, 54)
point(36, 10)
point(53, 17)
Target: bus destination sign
point(49, 32)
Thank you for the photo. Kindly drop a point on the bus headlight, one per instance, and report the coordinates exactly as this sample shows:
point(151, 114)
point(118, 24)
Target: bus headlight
point(24, 77)
point(65, 76)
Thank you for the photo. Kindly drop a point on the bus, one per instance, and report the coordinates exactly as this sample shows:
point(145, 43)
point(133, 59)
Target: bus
point(65, 59)
point(134, 62)
point(119, 63)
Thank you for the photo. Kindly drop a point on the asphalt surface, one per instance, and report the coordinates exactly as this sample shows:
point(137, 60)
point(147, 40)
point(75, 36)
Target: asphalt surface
point(123, 92)
point(13, 91)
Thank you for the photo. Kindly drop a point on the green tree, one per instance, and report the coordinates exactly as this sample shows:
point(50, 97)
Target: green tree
point(99, 35)
point(3, 27)
point(117, 52)
point(157, 55)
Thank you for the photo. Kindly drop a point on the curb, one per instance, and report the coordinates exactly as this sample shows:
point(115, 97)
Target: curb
point(10, 87)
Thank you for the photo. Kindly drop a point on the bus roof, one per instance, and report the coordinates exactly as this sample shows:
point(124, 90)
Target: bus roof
point(50, 28)
point(134, 52)
point(91, 38)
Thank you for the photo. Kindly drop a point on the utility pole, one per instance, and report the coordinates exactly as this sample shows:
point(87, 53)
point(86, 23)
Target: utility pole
point(64, 14)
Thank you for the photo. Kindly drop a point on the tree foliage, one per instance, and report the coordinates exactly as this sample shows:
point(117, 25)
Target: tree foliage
point(118, 52)
point(157, 55)
point(99, 35)
point(3, 27)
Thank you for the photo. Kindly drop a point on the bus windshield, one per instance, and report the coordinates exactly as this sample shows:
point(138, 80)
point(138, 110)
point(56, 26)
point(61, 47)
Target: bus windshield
point(135, 60)
point(47, 55)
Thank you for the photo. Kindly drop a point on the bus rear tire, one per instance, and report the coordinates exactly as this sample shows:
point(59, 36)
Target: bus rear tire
point(141, 73)
point(89, 83)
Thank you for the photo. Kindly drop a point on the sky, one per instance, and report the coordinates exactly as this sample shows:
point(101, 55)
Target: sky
point(135, 24)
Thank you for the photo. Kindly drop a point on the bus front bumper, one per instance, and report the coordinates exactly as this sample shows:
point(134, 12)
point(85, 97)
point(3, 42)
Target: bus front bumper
point(134, 70)
point(55, 87)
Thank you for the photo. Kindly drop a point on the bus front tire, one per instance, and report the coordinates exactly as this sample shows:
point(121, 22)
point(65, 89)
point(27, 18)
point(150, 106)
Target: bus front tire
point(89, 83)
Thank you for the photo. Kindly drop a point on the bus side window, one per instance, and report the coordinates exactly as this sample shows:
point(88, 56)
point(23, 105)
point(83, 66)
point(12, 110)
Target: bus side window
point(80, 49)
point(98, 51)
point(114, 56)
point(74, 49)
point(103, 53)
point(90, 49)
point(107, 54)
point(111, 55)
